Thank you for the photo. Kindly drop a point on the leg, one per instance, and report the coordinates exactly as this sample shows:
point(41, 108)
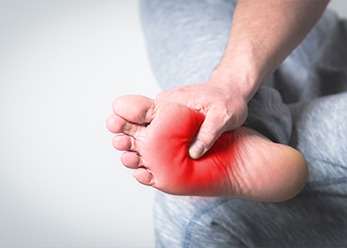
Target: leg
point(185, 39)
point(318, 66)
point(234, 219)
point(320, 134)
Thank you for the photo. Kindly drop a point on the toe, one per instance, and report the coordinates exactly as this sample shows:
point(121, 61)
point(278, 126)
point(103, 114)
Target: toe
point(123, 142)
point(117, 124)
point(131, 160)
point(144, 176)
point(135, 108)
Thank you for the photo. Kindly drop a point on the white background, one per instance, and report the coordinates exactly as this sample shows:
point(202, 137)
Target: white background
point(61, 65)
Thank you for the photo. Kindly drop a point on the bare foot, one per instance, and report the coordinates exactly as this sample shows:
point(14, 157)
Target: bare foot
point(155, 136)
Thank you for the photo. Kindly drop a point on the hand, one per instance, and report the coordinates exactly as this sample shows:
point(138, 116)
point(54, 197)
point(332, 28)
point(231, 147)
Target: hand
point(224, 108)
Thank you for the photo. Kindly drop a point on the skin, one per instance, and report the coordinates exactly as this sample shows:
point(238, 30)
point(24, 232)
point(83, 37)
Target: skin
point(262, 35)
point(155, 137)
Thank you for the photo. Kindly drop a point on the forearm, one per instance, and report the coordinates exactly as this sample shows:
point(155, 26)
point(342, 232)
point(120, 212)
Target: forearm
point(262, 35)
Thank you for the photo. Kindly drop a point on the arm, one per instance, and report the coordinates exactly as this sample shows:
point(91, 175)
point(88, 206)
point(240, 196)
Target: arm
point(262, 35)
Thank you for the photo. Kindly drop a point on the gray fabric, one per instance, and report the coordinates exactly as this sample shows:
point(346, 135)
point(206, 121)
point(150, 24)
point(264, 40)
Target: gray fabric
point(268, 115)
point(186, 40)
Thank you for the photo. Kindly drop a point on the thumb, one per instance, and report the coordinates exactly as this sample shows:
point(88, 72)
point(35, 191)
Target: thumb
point(208, 133)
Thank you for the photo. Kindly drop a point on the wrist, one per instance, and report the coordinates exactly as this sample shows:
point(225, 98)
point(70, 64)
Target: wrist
point(233, 77)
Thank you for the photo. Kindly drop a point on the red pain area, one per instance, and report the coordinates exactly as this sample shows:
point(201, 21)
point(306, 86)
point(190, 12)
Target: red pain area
point(166, 155)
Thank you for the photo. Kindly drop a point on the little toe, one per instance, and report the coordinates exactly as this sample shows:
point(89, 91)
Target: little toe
point(117, 124)
point(131, 160)
point(135, 108)
point(123, 142)
point(144, 176)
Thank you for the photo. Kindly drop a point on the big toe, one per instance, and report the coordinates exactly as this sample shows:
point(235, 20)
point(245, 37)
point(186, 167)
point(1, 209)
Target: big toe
point(117, 124)
point(135, 108)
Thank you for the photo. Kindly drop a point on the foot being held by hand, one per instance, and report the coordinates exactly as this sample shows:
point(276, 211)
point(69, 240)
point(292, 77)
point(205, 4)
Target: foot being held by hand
point(155, 137)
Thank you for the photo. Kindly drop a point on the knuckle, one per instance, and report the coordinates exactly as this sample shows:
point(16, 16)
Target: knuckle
point(161, 95)
point(210, 131)
point(235, 116)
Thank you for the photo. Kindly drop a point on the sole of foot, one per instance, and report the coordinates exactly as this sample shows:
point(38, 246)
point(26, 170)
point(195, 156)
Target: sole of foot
point(155, 136)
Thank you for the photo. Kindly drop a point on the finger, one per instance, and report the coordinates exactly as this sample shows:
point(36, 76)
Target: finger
point(209, 131)
point(178, 95)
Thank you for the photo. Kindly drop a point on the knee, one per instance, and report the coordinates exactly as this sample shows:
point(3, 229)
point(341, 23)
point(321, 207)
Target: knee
point(174, 216)
point(193, 222)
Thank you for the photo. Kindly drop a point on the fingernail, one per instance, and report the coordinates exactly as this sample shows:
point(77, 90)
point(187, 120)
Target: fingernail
point(196, 150)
